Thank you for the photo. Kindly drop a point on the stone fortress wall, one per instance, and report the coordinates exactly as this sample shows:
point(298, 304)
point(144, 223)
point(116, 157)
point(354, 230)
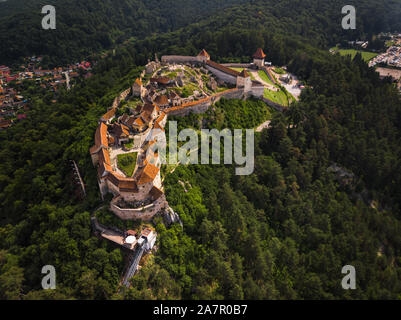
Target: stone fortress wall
point(109, 185)
point(245, 88)
point(203, 105)
point(145, 213)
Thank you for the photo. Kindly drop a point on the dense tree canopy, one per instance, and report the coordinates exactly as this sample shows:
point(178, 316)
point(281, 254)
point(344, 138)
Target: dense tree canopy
point(283, 232)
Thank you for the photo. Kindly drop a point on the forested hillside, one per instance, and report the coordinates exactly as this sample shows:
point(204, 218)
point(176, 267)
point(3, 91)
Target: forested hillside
point(86, 27)
point(283, 232)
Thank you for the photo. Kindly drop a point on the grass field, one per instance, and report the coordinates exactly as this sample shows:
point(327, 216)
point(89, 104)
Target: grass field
point(367, 56)
point(127, 162)
point(277, 97)
point(264, 77)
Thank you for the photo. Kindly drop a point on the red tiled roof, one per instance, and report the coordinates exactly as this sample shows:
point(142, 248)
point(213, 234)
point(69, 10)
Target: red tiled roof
point(259, 54)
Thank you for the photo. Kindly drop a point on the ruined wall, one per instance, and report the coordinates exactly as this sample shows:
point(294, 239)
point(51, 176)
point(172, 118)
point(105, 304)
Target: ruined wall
point(123, 95)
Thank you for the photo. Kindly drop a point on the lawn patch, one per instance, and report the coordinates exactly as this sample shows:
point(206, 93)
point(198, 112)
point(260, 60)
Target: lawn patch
point(277, 97)
point(264, 77)
point(127, 162)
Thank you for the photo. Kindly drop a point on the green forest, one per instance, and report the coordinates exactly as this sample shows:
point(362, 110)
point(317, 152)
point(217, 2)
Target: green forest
point(87, 28)
point(283, 232)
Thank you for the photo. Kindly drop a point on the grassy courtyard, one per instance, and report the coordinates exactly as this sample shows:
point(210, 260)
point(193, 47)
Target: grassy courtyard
point(127, 162)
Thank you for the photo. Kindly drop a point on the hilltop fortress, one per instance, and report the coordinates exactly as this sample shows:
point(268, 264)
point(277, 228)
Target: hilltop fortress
point(130, 133)
point(177, 85)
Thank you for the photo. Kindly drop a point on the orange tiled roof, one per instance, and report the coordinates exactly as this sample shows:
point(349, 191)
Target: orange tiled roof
point(161, 117)
point(203, 53)
point(101, 135)
point(104, 167)
point(109, 114)
point(138, 81)
point(148, 174)
point(158, 126)
point(104, 156)
point(138, 122)
point(128, 186)
point(259, 54)
point(114, 178)
point(125, 129)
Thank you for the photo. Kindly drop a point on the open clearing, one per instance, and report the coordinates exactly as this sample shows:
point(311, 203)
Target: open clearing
point(366, 56)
